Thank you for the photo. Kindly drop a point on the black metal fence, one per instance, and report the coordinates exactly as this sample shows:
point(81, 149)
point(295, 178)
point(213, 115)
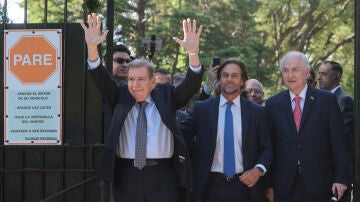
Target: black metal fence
point(66, 172)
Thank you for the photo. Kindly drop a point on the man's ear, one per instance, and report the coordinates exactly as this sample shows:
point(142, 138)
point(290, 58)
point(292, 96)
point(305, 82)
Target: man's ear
point(153, 82)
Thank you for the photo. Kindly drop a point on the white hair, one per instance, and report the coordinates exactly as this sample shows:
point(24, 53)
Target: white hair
point(304, 61)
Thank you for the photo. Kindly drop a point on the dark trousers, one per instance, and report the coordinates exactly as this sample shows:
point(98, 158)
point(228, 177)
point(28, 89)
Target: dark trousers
point(219, 190)
point(298, 193)
point(347, 195)
point(155, 183)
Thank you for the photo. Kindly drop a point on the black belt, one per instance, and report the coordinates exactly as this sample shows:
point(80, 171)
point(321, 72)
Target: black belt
point(234, 178)
point(149, 162)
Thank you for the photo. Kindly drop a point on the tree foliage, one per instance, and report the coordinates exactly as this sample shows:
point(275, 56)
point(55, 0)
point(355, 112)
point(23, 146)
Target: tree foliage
point(2, 14)
point(259, 32)
point(76, 9)
point(321, 29)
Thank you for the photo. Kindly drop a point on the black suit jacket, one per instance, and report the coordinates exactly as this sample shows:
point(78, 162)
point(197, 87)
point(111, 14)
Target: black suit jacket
point(167, 100)
point(319, 145)
point(346, 104)
point(256, 142)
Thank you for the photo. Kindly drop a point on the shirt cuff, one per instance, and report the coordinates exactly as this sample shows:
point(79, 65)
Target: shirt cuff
point(262, 167)
point(93, 64)
point(207, 89)
point(196, 70)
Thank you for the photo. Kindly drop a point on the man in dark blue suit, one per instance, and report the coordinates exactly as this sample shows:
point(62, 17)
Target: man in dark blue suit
point(308, 132)
point(228, 169)
point(145, 156)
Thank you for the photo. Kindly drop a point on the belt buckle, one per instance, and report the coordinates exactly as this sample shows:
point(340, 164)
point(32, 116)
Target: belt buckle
point(229, 179)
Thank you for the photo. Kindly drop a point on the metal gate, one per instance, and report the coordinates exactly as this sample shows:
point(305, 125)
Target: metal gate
point(66, 172)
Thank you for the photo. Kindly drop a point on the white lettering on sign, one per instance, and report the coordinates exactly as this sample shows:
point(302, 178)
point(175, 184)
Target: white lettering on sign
point(35, 59)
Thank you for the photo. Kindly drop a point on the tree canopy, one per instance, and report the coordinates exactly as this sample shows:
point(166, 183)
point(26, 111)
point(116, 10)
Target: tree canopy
point(259, 32)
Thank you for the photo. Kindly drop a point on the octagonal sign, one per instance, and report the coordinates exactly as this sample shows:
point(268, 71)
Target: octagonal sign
point(32, 59)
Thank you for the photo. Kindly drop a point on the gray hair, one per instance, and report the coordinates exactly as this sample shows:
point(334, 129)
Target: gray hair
point(304, 61)
point(142, 63)
point(256, 81)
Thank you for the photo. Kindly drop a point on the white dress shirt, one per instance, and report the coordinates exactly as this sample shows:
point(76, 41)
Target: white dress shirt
point(160, 141)
point(302, 101)
point(218, 161)
point(334, 89)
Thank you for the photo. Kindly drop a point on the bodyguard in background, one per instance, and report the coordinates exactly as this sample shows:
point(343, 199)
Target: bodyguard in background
point(307, 127)
point(145, 155)
point(330, 74)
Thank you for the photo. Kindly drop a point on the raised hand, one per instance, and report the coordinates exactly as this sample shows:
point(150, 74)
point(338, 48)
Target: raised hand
point(191, 37)
point(93, 36)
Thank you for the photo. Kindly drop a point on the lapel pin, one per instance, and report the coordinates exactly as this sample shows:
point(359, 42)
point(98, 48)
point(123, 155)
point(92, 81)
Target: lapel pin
point(312, 98)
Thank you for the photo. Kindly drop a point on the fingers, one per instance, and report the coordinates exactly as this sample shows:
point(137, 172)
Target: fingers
point(93, 20)
point(83, 26)
point(184, 27)
point(246, 179)
point(89, 20)
point(98, 22)
point(103, 36)
point(179, 41)
point(250, 177)
point(199, 31)
point(339, 188)
point(190, 26)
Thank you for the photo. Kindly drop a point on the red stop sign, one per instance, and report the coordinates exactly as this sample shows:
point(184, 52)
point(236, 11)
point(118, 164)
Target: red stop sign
point(32, 59)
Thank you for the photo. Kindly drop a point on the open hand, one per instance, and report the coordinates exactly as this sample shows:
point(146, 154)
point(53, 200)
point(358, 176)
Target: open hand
point(191, 37)
point(93, 34)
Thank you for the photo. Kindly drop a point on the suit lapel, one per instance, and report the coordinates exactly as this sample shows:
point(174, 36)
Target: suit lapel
point(214, 116)
point(160, 106)
point(309, 100)
point(289, 112)
point(244, 120)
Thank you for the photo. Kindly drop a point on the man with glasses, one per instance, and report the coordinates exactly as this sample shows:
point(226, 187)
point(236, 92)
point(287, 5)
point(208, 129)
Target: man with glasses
point(254, 91)
point(121, 57)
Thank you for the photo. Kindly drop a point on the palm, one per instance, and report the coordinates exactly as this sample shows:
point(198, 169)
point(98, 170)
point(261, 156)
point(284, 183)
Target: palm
point(191, 37)
point(93, 36)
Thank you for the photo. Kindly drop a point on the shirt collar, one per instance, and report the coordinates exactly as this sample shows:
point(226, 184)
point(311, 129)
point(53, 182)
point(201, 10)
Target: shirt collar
point(334, 89)
point(149, 101)
point(302, 94)
point(223, 100)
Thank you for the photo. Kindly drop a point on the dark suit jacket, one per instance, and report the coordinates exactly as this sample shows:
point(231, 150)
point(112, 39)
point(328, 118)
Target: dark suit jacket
point(167, 100)
point(319, 145)
point(346, 104)
point(203, 121)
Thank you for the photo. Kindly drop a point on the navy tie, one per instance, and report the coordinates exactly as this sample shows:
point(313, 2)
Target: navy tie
point(141, 136)
point(229, 154)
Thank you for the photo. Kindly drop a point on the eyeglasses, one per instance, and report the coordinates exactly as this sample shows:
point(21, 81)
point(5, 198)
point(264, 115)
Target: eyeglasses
point(256, 91)
point(121, 60)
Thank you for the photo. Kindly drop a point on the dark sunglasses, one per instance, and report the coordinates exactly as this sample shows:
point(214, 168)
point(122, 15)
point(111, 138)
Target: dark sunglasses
point(121, 60)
